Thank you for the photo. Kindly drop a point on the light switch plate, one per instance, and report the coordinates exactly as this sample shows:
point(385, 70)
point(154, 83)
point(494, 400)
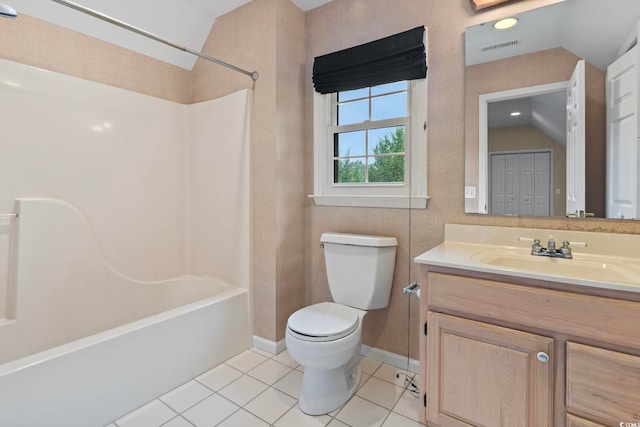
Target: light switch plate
point(469, 192)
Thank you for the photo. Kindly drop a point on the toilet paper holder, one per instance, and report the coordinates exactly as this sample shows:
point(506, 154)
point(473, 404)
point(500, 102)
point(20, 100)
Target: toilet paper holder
point(413, 288)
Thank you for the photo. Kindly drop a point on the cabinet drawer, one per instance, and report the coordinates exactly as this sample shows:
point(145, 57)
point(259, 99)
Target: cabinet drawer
point(604, 319)
point(602, 385)
point(573, 421)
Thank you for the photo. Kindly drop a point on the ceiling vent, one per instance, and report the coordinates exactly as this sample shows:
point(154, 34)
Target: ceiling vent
point(500, 46)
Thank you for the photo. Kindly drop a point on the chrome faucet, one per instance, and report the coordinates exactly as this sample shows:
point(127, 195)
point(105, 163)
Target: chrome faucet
point(550, 250)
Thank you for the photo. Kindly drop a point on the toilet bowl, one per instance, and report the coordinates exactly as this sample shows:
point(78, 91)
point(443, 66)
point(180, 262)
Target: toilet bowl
point(326, 339)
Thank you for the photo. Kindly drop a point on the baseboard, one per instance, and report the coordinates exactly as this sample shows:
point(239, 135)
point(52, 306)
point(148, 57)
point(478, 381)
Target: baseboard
point(383, 356)
point(269, 346)
point(393, 359)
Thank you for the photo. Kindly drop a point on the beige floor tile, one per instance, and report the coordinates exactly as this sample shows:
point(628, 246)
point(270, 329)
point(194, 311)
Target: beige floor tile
point(246, 361)
point(362, 413)
point(296, 418)
point(152, 414)
point(380, 392)
point(286, 359)
point(270, 405)
point(409, 406)
point(270, 371)
point(338, 423)
point(392, 374)
point(369, 366)
point(242, 390)
point(243, 418)
point(219, 376)
point(290, 384)
point(185, 396)
point(262, 352)
point(396, 420)
point(210, 411)
point(178, 422)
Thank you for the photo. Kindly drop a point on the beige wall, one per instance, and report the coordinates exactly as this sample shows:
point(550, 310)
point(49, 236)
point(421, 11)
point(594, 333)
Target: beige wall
point(279, 41)
point(44, 45)
point(268, 36)
point(339, 25)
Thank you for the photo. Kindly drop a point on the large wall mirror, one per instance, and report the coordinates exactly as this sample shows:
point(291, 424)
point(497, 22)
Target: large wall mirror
point(536, 112)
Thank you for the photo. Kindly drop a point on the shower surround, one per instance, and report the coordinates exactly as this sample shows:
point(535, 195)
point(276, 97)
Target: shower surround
point(156, 191)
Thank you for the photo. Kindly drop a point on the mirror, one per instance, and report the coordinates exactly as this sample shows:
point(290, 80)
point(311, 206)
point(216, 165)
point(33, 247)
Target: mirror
point(527, 69)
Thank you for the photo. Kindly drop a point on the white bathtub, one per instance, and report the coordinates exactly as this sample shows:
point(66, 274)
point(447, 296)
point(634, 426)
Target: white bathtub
point(83, 345)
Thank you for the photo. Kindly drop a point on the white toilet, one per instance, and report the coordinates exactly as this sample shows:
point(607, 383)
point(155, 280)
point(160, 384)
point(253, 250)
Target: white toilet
point(326, 338)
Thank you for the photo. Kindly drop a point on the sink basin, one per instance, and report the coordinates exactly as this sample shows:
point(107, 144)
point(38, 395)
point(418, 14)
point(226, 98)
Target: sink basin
point(601, 269)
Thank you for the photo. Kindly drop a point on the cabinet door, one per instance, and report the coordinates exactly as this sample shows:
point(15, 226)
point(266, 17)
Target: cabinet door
point(484, 375)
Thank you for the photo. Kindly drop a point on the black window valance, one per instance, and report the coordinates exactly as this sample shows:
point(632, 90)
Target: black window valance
point(391, 59)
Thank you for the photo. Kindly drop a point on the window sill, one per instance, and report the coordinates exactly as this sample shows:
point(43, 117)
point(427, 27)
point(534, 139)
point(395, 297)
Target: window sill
point(404, 202)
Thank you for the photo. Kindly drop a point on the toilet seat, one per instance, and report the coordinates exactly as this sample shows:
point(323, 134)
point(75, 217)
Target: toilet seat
point(325, 321)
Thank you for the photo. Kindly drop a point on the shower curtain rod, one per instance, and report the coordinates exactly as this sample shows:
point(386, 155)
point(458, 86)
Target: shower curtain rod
point(102, 16)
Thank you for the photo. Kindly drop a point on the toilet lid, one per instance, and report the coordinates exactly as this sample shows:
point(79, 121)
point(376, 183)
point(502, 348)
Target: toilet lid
point(324, 321)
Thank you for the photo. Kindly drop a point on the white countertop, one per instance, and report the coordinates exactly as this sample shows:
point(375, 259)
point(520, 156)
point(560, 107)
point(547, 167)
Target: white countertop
point(599, 264)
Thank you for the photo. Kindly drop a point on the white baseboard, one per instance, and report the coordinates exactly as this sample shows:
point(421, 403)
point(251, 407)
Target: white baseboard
point(268, 345)
point(383, 356)
point(389, 358)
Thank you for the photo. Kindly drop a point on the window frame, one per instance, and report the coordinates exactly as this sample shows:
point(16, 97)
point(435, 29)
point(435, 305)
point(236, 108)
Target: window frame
point(412, 193)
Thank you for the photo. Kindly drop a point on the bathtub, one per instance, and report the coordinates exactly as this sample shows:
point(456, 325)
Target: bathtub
point(83, 345)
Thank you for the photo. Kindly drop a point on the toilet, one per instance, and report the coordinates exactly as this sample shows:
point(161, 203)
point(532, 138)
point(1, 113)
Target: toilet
point(326, 338)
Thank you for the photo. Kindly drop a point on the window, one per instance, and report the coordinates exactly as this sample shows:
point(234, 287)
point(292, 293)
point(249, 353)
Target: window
point(369, 130)
point(370, 146)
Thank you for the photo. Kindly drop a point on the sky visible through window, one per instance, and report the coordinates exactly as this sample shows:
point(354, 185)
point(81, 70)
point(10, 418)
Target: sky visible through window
point(356, 106)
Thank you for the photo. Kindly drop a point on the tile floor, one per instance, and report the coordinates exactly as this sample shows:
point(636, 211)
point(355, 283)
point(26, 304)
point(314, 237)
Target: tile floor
point(255, 389)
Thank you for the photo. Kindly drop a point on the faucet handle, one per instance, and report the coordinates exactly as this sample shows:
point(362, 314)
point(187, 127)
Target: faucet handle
point(565, 249)
point(536, 248)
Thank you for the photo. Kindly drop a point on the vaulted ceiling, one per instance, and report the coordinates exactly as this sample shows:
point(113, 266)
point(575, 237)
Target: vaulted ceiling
point(186, 22)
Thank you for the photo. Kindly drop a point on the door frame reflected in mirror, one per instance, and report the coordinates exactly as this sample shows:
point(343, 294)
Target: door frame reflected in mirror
point(483, 130)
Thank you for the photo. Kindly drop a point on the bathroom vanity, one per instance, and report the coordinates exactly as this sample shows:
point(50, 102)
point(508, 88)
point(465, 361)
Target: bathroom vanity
point(513, 339)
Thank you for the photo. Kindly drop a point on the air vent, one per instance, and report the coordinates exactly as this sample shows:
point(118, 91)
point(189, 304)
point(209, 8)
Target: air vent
point(502, 45)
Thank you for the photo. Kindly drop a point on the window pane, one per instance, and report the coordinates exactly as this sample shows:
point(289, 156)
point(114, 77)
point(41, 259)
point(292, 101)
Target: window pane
point(386, 140)
point(353, 94)
point(386, 169)
point(389, 106)
point(388, 88)
point(353, 112)
point(349, 170)
point(350, 144)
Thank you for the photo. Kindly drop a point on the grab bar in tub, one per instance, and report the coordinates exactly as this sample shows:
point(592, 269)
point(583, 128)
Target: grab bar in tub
point(11, 215)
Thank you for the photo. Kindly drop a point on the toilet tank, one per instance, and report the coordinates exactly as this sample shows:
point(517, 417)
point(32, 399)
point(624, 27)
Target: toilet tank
point(360, 268)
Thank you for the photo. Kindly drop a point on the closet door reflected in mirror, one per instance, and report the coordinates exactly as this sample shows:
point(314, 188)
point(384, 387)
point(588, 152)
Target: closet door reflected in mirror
point(542, 50)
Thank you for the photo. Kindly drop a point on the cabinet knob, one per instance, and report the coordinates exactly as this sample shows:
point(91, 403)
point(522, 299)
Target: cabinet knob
point(542, 356)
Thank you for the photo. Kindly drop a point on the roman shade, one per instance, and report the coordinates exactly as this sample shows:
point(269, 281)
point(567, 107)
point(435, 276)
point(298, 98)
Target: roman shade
point(398, 57)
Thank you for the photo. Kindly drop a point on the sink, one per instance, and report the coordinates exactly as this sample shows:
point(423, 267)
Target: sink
point(588, 267)
point(600, 260)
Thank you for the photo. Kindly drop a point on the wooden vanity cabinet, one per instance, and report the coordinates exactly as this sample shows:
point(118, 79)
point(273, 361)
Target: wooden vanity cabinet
point(487, 375)
point(525, 354)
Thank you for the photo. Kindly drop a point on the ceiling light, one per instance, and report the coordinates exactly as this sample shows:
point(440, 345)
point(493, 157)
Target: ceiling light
point(515, 114)
point(505, 23)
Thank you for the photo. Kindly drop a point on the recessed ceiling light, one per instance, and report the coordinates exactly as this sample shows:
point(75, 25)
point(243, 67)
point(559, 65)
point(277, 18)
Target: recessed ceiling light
point(505, 23)
point(516, 114)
